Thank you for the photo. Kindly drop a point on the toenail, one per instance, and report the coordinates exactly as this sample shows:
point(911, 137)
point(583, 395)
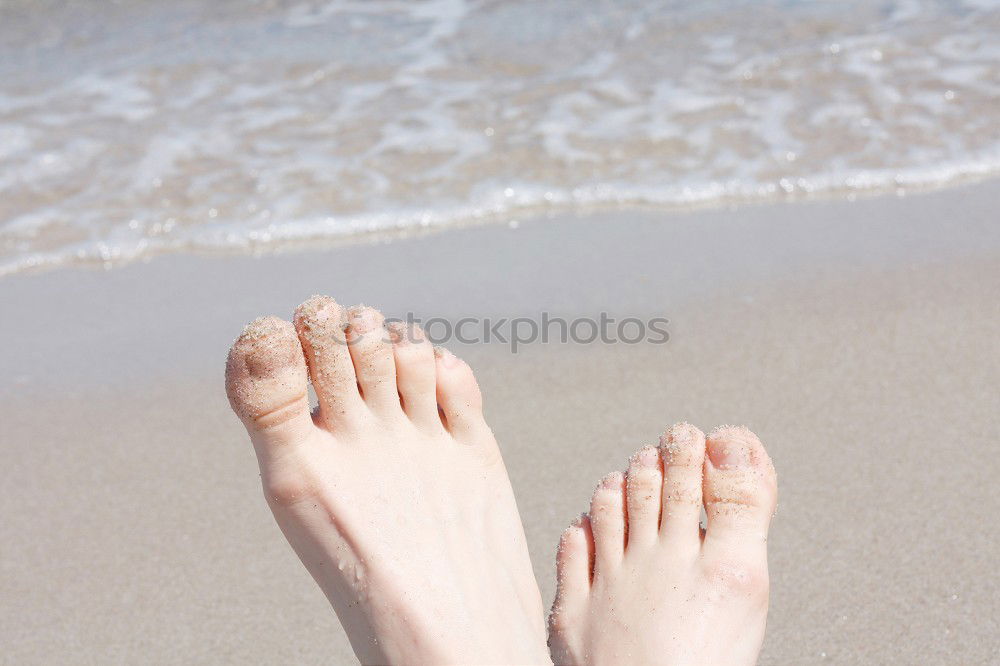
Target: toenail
point(266, 350)
point(404, 332)
point(612, 481)
point(363, 319)
point(316, 308)
point(647, 457)
point(729, 454)
point(447, 358)
point(398, 333)
point(682, 433)
point(260, 328)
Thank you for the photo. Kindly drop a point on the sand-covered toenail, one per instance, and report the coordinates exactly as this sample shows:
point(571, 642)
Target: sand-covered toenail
point(364, 319)
point(647, 456)
point(312, 307)
point(398, 332)
point(448, 359)
point(320, 321)
point(682, 432)
point(265, 346)
point(612, 481)
point(317, 310)
point(260, 328)
point(729, 448)
point(681, 444)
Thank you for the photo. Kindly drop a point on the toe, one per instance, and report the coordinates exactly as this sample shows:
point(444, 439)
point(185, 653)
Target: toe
point(320, 324)
point(607, 521)
point(574, 562)
point(415, 374)
point(740, 489)
point(682, 448)
point(374, 365)
point(458, 396)
point(267, 387)
point(644, 483)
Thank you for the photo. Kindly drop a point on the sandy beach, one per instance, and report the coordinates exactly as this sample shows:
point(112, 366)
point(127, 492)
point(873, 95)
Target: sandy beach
point(858, 339)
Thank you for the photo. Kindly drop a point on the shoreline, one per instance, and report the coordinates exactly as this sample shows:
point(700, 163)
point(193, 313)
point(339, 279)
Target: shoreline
point(136, 528)
point(103, 257)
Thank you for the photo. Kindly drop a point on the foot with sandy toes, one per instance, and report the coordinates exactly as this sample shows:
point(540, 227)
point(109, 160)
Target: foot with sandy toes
point(641, 583)
point(393, 493)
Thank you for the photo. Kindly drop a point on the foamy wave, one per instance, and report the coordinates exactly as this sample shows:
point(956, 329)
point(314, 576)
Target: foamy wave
point(323, 121)
point(505, 205)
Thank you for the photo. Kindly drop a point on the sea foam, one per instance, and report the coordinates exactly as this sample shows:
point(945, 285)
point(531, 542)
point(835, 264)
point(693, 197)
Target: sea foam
point(140, 128)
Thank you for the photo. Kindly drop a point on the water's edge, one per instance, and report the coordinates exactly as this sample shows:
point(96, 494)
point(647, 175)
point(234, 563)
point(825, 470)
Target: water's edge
point(138, 128)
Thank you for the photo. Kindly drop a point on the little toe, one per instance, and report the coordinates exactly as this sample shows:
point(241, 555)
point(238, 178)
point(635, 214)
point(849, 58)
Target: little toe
point(458, 396)
point(607, 522)
point(682, 448)
point(320, 324)
point(374, 364)
point(267, 386)
point(644, 482)
point(415, 374)
point(740, 489)
point(574, 561)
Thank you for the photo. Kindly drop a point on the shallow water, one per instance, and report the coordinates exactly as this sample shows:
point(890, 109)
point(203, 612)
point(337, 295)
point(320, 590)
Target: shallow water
point(132, 128)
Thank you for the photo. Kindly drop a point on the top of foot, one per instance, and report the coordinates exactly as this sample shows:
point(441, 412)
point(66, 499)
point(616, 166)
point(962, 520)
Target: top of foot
point(393, 493)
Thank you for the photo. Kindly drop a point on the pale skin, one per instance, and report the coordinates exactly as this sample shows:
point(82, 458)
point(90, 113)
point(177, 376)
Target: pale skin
point(394, 495)
point(403, 513)
point(640, 582)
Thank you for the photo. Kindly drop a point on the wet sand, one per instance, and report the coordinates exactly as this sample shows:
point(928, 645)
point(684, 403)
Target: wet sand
point(859, 340)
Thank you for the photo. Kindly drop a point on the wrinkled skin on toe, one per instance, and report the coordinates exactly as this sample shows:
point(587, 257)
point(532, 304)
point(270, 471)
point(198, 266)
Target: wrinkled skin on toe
point(393, 493)
point(641, 583)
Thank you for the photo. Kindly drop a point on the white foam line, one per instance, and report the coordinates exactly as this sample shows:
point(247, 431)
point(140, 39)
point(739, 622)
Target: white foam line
point(502, 205)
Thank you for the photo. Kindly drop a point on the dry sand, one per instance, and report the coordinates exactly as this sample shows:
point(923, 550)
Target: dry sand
point(860, 340)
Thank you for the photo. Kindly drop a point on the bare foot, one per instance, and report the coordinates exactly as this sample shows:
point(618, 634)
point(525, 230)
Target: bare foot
point(402, 513)
point(641, 583)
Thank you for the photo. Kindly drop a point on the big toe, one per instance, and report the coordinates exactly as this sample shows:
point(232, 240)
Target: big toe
point(740, 488)
point(266, 384)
